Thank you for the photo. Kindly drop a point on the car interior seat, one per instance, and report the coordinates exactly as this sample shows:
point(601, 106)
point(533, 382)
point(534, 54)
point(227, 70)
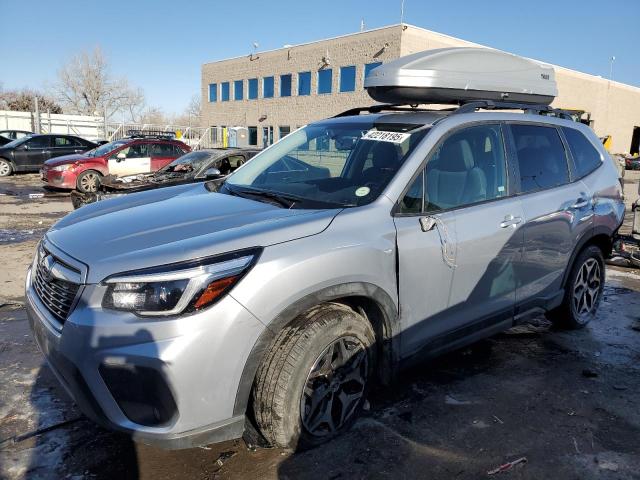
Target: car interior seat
point(454, 179)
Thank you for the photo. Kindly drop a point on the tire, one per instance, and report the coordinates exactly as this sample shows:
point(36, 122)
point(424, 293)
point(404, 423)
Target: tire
point(88, 181)
point(583, 291)
point(6, 169)
point(299, 368)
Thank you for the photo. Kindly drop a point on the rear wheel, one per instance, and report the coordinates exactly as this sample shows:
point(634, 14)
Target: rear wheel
point(583, 291)
point(6, 168)
point(88, 181)
point(312, 383)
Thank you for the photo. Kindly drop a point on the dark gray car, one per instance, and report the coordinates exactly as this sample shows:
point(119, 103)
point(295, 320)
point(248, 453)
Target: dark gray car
point(28, 153)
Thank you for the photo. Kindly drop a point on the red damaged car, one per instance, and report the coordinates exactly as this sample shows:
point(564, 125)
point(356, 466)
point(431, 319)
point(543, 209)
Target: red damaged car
point(138, 153)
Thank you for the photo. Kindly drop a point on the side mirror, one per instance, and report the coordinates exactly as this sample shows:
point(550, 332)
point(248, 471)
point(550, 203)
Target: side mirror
point(212, 173)
point(121, 156)
point(427, 223)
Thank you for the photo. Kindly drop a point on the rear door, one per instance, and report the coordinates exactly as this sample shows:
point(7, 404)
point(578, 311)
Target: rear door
point(136, 160)
point(162, 154)
point(558, 210)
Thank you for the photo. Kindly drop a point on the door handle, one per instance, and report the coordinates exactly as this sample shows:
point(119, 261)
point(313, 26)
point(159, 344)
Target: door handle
point(510, 220)
point(580, 203)
point(77, 150)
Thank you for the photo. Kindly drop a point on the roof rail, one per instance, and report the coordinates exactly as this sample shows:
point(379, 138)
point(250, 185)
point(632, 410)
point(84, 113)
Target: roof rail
point(467, 107)
point(470, 107)
point(392, 107)
point(150, 134)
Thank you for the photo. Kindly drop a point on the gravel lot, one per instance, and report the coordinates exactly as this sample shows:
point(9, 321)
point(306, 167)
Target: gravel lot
point(568, 402)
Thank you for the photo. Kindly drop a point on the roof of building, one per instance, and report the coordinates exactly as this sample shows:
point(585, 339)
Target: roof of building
point(449, 38)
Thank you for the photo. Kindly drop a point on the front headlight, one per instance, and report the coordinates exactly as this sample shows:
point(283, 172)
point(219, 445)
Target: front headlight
point(181, 288)
point(62, 168)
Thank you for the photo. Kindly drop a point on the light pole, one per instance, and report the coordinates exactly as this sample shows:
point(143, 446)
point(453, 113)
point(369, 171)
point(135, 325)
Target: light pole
point(611, 60)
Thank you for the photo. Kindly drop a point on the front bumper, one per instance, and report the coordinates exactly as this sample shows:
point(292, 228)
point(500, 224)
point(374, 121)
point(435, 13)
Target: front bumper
point(200, 359)
point(66, 179)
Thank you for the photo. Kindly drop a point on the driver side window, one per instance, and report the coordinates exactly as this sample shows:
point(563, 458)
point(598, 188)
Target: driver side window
point(138, 150)
point(468, 167)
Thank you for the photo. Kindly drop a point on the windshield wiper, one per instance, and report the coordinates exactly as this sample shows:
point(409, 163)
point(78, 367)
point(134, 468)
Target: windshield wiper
point(285, 200)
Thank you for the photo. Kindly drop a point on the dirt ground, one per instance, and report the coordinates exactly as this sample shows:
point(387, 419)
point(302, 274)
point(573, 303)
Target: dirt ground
point(567, 402)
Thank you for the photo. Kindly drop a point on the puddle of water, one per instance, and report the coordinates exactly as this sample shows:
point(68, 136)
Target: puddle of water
point(9, 235)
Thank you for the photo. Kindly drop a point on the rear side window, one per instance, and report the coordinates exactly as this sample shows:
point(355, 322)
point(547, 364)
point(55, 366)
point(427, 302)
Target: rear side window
point(65, 142)
point(162, 150)
point(585, 155)
point(541, 157)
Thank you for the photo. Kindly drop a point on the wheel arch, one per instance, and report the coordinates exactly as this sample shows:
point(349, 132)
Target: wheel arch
point(367, 299)
point(10, 162)
point(601, 238)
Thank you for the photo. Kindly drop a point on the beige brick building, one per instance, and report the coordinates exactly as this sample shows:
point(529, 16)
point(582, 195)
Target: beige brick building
point(276, 91)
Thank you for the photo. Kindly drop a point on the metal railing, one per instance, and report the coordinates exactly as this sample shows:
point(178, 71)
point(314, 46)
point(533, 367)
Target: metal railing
point(95, 128)
point(195, 137)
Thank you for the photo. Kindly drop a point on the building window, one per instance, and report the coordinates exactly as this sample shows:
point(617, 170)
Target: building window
point(304, 83)
point(285, 85)
point(253, 88)
point(224, 91)
point(267, 136)
point(213, 92)
point(253, 135)
point(283, 131)
point(370, 66)
point(238, 90)
point(324, 80)
point(348, 78)
point(267, 87)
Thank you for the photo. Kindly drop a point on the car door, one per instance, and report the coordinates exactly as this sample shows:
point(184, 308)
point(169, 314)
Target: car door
point(130, 160)
point(489, 234)
point(161, 154)
point(458, 244)
point(31, 154)
point(558, 211)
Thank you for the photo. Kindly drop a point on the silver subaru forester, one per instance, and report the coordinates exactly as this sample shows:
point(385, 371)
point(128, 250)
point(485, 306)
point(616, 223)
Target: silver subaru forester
point(338, 255)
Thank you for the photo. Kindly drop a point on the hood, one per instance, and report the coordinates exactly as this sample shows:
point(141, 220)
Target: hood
point(174, 224)
point(66, 159)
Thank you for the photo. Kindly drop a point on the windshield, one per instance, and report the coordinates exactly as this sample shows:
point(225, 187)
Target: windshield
point(16, 142)
point(191, 162)
point(332, 163)
point(106, 148)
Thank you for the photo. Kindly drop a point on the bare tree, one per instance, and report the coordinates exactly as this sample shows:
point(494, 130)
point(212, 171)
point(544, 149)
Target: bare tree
point(24, 101)
point(195, 106)
point(85, 86)
point(155, 116)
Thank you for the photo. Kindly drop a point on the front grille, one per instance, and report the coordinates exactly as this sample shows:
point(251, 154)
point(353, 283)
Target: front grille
point(56, 294)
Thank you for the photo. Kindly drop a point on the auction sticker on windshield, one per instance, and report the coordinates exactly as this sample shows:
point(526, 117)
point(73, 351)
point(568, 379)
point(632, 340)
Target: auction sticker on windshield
point(381, 136)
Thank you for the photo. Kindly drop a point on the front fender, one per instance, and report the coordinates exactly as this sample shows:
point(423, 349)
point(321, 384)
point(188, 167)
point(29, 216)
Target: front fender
point(354, 289)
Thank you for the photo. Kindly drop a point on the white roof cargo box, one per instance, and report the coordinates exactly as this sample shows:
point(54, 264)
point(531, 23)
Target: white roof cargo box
point(457, 75)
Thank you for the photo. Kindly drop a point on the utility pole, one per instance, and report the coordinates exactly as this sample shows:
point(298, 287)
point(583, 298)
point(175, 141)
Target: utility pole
point(611, 60)
point(36, 115)
point(401, 11)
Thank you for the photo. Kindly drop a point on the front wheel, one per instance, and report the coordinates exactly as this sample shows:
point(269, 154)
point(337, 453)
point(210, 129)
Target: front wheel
point(312, 383)
point(6, 168)
point(88, 181)
point(583, 290)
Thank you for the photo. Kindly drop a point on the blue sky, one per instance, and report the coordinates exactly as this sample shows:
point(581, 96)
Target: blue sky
point(160, 45)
